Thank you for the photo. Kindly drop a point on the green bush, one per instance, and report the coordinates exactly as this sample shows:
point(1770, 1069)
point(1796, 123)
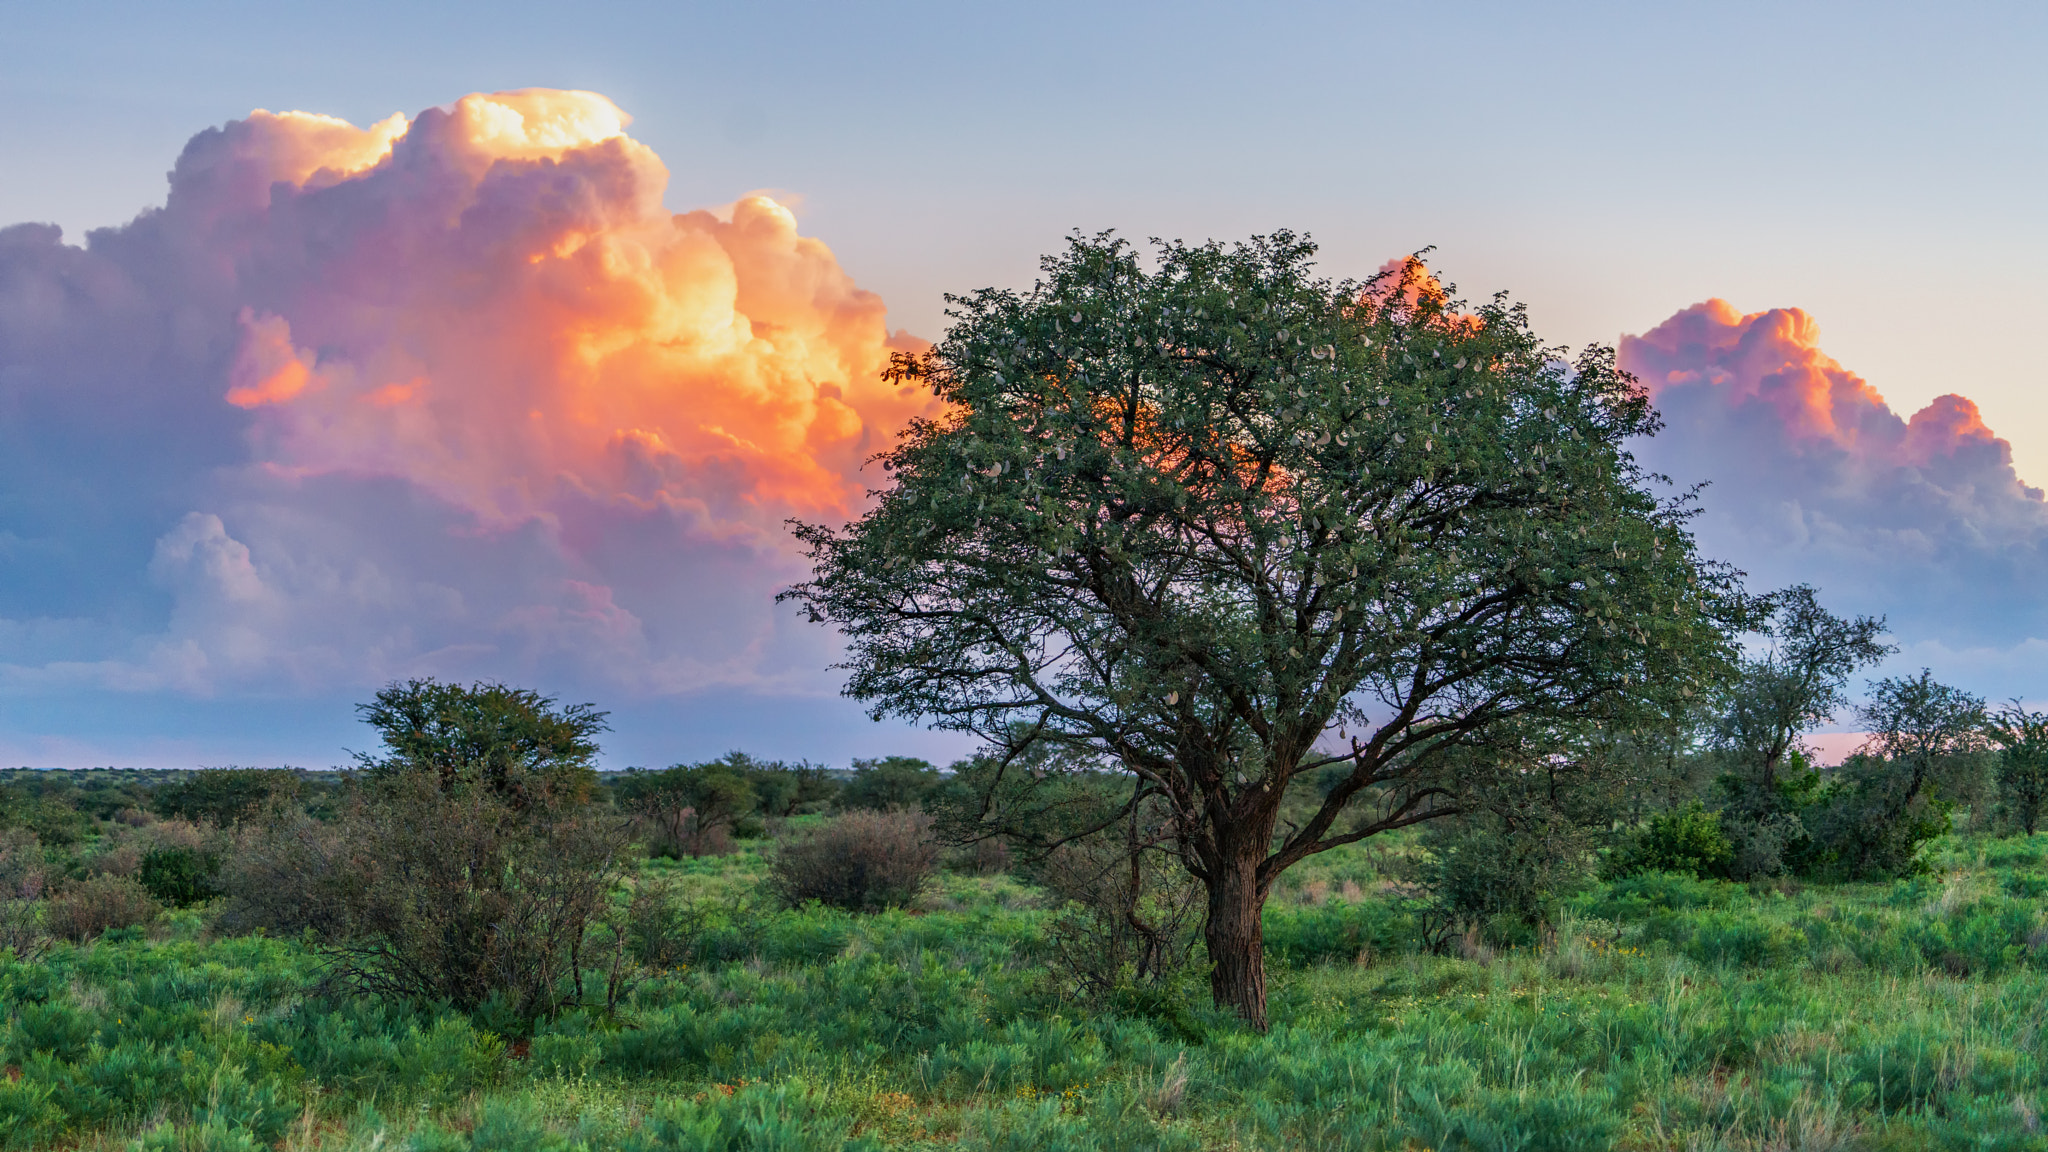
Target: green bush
point(224, 797)
point(1689, 840)
point(1130, 919)
point(53, 821)
point(862, 860)
point(24, 877)
point(522, 746)
point(467, 897)
point(890, 782)
point(1503, 876)
point(1871, 823)
point(179, 876)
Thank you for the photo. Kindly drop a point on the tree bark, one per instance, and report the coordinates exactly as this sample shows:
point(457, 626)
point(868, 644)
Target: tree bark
point(1235, 935)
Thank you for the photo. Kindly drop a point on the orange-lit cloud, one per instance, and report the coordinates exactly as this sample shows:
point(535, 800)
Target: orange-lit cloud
point(268, 369)
point(1815, 478)
point(503, 311)
point(453, 394)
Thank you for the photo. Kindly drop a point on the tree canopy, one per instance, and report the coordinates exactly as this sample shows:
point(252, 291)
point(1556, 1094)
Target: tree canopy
point(1792, 683)
point(514, 741)
point(1222, 522)
point(2022, 739)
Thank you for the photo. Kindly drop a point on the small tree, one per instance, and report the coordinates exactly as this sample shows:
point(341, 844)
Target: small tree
point(24, 880)
point(1221, 523)
point(1687, 839)
point(515, 741)
point(1888, 799)
point(782, 790)
point(1535, 807)
point(2022, 739)
point(689, 809)
point(1130, 913)
point(1795, 684)
point(890, 782)
point(178, 875)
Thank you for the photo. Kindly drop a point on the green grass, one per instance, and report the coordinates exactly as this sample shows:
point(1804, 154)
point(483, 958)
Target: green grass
point(1666, 1013)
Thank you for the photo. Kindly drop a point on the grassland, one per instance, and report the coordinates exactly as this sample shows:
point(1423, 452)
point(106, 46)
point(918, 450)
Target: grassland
point(1664, 1013)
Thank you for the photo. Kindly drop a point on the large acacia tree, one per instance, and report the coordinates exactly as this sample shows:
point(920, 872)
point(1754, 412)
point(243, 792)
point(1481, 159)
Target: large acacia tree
point(1222, 523)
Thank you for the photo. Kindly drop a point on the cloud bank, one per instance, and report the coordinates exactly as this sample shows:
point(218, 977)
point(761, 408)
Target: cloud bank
point(452, 395)
point(1814, 478)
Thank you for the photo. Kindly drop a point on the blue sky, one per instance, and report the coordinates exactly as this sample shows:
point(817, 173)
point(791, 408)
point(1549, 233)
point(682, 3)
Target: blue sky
point(1877, 166)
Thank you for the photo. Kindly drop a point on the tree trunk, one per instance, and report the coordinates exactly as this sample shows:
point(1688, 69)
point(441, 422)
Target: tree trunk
point(1236, 938)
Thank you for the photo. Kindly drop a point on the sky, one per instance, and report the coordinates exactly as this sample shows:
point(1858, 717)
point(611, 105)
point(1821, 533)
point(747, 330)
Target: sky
point(522, 387)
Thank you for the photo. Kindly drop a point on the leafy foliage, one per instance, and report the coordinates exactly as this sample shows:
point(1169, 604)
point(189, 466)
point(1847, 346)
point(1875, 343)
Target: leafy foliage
point(1687, 840)
point(1524, 844)
point(24, 878)
point(79, 910)
point(687, 810)
point(2022, 739)
point(224, 797)
point(1794, 685)
point(891, 782)
point(1890, 799)
point(179, 876)
point(1131, 914)
point(49, 818)
point(514, 741)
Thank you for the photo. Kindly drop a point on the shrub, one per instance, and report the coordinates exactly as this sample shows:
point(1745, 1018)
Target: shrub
point(179, 876)
point(890, 782)
point(22, 882)
point(1872, 822)
point(1130, 916)
point(1503, 872)
point(22, 870)
point(785, 790)
point(677, 833)
point(225, 796)
point(1688, 840)
point(80, 910)
point(53, 821)
point(2022, 738)
point(662, 929)
point(1923, 756)
point(861, 860)
point(462, 896)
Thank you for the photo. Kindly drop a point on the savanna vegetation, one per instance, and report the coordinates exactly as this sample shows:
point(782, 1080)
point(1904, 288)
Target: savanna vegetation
point(1368, 762)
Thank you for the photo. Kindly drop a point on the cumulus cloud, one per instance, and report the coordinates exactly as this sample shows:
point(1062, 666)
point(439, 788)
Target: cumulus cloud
point(1815, 478)
point(454, 395)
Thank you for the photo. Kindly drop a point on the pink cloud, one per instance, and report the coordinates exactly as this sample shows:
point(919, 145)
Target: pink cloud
point(1815, 478)
point(453, 393)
